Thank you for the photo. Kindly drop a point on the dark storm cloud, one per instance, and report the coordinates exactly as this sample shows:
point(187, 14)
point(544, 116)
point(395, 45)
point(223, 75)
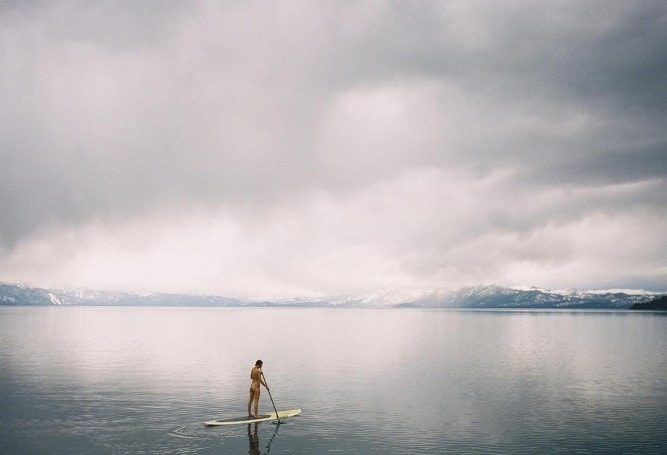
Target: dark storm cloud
point(569, 90)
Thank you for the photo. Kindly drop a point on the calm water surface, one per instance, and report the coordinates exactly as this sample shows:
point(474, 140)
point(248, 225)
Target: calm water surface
point(143, 381)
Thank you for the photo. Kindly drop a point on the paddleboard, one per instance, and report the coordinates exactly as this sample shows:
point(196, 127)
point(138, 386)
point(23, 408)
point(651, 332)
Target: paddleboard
point(246, 419)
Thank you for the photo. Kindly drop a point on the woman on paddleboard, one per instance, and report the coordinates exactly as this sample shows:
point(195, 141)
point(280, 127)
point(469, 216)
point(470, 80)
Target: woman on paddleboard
point(257, 380)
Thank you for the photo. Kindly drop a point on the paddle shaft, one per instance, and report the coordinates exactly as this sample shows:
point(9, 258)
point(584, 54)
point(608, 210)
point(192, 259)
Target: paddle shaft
point(269, 390)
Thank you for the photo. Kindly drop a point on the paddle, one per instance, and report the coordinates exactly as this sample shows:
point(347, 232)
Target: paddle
point(269, 390)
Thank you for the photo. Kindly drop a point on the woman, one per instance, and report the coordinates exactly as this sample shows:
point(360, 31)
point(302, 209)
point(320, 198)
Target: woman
point(257, 380)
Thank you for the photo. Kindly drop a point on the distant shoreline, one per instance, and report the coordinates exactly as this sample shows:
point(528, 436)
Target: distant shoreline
point(659, 304)
point(474, 297)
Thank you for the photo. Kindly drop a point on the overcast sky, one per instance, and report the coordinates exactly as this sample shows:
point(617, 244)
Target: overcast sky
point(287, 148)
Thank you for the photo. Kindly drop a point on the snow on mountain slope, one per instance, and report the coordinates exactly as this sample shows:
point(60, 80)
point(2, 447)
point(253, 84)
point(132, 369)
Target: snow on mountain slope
point(485, 296)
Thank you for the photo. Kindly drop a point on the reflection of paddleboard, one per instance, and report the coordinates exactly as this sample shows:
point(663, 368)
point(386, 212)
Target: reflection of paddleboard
point(246, 419)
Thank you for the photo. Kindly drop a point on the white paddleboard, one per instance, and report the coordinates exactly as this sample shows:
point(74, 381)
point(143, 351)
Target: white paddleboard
point(260, 418)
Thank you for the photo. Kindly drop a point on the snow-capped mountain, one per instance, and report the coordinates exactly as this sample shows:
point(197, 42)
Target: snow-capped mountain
point(23, 295)
point(502, 297)
point(467, 297)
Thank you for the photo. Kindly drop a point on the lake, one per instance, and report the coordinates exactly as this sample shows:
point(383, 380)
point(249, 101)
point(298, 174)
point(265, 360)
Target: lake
point(99, 380)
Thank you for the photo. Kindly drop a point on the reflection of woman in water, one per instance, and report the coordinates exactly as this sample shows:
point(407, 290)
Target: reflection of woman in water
point(253, 441)
point(256, 378)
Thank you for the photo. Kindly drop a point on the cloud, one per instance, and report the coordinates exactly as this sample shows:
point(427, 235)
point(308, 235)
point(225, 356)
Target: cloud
point(331, 147)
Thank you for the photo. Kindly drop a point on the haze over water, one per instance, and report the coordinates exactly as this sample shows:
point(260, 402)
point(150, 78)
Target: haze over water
point(143, 380)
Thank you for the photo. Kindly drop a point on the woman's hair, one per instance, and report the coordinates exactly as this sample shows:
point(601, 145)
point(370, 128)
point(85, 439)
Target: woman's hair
point(258, 363)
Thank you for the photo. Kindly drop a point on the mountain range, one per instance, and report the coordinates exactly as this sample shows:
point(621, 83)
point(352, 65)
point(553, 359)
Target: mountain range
point(490, 296)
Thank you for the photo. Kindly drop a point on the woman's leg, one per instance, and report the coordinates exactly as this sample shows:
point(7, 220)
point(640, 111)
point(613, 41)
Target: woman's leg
point(250, 400)
point(256, 397)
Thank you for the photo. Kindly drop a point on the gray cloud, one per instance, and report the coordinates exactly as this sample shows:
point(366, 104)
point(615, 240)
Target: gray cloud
point(402, 139)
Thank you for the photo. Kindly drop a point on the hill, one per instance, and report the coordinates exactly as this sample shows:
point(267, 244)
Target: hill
point(22, 295)
point(656, 304)
point(475, 297)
